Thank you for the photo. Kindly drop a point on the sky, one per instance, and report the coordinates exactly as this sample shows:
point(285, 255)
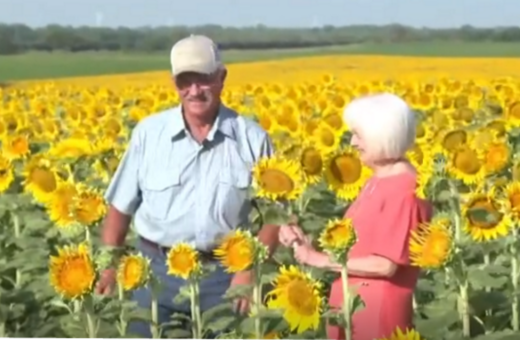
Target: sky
point(273, 13)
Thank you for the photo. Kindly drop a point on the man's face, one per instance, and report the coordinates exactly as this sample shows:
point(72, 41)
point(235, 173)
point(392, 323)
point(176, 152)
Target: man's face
point(200, 93)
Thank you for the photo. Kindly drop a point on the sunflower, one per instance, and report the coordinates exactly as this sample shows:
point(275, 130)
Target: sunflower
point(133, 271)
point(183, 261)
point(15, 147)
point(61, 204)
point(89, 206)
point(326, 139)
point(466, 164)
point(409, 334)
point(73, 147)
point(40, 178)
point(312, 164)
point(453, 138)
point(512, 201)
point(496, 157)
point(480, 229)
point(6, 174)
point(236, 252)
point(338, 236)
point(72, 271)
point(431, 244)
point(278, 178)
point(421, 158)
point(345, 174)
point(423, 132)
point(298, 295)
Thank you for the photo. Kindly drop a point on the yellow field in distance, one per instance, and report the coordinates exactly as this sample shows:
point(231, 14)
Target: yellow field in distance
point(345, 68)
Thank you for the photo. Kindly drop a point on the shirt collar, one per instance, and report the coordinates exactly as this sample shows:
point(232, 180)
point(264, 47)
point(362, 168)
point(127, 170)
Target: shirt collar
point(223, 123)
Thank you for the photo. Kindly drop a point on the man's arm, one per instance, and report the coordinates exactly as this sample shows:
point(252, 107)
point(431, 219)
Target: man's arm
point(123, 195)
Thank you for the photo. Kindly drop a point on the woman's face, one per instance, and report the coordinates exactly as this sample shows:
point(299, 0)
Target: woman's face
point(358, 142)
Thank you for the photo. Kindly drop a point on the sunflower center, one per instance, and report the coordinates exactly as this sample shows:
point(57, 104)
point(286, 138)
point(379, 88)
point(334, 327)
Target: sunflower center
point(514, 110)
point(453, 139)
point(19, 145)
point(436, 246)
point(239, 254)
point(346, 168)
point(327, 137)
point(467, 161)
point(514, 200)
point(490, 209)
point(311, 161)
point(334, 121)
point(44, 179)
point(182, 262)
point(301, 297)
point(276, 181)
point(76, 276)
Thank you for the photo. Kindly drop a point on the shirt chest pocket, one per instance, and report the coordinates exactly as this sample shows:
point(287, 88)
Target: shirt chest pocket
point(160, 189)
point(233, 195)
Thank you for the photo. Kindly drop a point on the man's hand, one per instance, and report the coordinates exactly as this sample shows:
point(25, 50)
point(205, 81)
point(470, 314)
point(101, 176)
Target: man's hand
point(242, 278)
point(107, 282)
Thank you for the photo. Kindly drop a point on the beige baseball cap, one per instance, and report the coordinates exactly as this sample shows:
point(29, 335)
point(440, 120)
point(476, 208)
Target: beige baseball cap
point(196, 53)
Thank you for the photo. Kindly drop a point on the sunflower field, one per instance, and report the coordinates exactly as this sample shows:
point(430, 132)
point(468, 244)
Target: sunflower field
point(61, 144)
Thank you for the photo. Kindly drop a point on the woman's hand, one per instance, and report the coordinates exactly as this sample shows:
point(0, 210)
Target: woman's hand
point(289, 235)
point(306, 254)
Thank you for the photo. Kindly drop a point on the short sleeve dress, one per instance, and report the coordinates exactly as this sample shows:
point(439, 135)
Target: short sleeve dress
point(384, 214)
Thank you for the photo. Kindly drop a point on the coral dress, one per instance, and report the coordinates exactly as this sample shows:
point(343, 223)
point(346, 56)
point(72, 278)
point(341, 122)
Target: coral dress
point(383, 215)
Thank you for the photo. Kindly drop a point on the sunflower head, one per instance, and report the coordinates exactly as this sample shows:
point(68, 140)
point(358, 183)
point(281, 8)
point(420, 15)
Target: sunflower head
point(88, 206)
point(483, 218)
point(183, 261)
point(338, 237)
point(278, 178)
point(133, 271)
point(345, 174)
point(15, 147)
point(239, 250)
point(6, 173)
point(299, 296)
point(40, 178)
point(431, 244)
point(312, 164)
point(72, 271)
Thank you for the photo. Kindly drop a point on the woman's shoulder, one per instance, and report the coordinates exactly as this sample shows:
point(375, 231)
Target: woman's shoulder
point(400, 192)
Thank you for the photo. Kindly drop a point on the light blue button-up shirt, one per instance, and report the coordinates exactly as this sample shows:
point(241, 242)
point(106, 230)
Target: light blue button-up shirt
point(180, 190)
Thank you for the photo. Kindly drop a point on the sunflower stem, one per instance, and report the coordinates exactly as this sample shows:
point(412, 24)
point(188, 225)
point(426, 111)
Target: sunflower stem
point(347, 313)
point(91, 326)
point(515, 321)
point(17, 234)
point(257, 302)
point(87, 235)
point(122, 321)
point(464, 309)
point(196, 321)
point(487, 262)
point(462, 301)
point(154, 326)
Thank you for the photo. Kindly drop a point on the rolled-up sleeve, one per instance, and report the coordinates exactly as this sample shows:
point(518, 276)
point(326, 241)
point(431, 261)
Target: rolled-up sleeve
point(123, 192)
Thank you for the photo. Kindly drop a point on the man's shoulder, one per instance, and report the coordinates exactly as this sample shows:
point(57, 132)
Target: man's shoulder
point(248, 126)
point(155, 121)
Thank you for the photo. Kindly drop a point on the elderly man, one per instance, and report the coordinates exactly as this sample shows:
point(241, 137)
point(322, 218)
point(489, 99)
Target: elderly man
point(185, 178)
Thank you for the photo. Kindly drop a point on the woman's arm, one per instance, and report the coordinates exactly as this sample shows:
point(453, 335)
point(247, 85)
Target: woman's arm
point(389, 242)
point(370, 266)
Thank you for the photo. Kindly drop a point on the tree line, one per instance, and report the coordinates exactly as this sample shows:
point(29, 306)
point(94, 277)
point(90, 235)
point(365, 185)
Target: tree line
point(20, 38)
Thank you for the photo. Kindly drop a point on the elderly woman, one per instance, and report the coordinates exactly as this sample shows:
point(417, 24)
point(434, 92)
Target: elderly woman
point(384, 213)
